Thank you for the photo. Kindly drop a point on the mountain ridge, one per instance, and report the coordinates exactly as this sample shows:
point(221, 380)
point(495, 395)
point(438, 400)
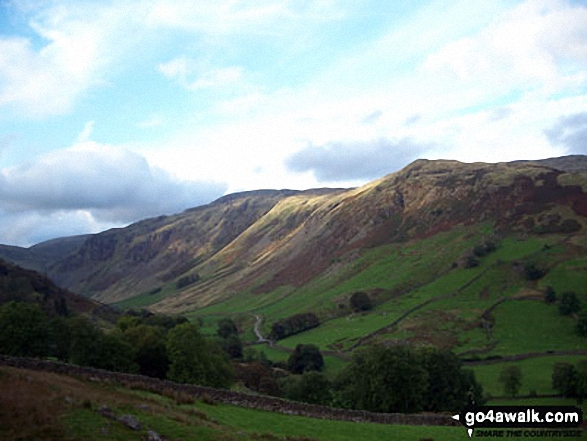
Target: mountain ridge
point(258, 241)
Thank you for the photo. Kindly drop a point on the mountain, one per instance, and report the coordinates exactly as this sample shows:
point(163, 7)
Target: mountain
point(24, 285)
point(570, 163)
point(262, 241)
point(266, 239)
point(40, 256)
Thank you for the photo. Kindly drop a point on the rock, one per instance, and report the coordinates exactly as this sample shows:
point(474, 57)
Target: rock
point(154, 436)
point(104, 431)
point(106, 412)
point(143, 407)
point(130, 422)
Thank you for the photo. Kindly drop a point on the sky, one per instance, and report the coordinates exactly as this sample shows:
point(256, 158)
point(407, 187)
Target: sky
point(115, 111)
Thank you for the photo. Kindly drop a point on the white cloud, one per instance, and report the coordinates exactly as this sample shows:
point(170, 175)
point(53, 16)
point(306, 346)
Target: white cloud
point(538, 45)
point(32, 227)
point(192, 75)
point(111, 184)
point(259, 17)
point(86, 132)
point(78, 46)
point(155, 120)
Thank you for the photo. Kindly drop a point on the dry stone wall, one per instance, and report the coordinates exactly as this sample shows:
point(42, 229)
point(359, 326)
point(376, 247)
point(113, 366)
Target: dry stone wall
point(265, 403)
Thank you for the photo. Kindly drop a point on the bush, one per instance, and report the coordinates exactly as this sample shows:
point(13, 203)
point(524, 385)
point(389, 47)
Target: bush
point(569, 303)
point(360, 301)
point(471, 261)
point(511, 379)
point(582, 324)
point(532, 272)
point(550, 295)
point(305, 358)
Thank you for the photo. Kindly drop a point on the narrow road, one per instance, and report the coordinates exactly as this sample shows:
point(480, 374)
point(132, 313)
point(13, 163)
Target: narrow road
point(260, 338)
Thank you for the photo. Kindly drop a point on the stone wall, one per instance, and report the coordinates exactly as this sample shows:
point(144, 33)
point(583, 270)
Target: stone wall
point(266, 403)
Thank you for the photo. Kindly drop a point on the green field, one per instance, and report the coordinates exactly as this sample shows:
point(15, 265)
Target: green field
point(536, 374)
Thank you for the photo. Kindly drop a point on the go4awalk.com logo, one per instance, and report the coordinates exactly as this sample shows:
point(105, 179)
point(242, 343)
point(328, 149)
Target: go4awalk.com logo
point(522, 421)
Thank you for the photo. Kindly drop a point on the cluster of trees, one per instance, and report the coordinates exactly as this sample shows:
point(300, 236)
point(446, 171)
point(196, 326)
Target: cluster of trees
point(292, 325)
point(154, 345)
point(570, 380)
point(406, 379)
point(569, 304)
point(396, 379)
point(379, 379)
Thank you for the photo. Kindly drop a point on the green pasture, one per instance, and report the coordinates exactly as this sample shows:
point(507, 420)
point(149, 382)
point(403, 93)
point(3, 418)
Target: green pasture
point(536, 374)
point(259, 422)
point(533, 326)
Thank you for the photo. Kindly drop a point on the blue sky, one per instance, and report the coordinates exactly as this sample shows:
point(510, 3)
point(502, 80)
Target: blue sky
point(111, 112)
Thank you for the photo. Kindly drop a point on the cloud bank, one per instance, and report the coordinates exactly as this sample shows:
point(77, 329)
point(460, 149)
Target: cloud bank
point(92, 185)
point(355, 160)
point(571, 132)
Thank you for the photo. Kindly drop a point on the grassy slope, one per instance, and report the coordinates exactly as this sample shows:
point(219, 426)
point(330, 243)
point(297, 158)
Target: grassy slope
point(389, 272)
point(54, 406)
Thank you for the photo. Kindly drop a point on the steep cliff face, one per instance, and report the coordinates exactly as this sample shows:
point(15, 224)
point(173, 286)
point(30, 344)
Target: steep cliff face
point(259, 241)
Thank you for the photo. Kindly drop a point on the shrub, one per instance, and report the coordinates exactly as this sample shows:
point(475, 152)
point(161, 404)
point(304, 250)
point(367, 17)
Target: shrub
point(511, 379)
point(360, 301)
point(305, 358)
point(532, 272)
point(569, 303)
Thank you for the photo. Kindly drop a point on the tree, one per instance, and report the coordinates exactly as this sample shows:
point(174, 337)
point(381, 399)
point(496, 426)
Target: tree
point(59, 338)
point(582, 324)
point(381, 379)
point(532, 272)
point(226, 328)
point(24, 330)
point(511, 379)
point(305, 358)
point(258, 377)
point(449, 387)
point(115, 354)
point(564, 379)
point(310, 387)
point(550, 295)
point(292, 325)
point(85, 342)
point(360, 301)
point(128, 321)
point(150, 349)
point(232, 346)
point(569, 303)
point(195, 360)
point(581, 380)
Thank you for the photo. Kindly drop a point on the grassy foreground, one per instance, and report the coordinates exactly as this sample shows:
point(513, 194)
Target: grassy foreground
point(46, 406)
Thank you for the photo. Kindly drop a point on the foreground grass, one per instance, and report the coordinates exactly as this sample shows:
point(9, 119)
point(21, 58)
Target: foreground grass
point(45, 406)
